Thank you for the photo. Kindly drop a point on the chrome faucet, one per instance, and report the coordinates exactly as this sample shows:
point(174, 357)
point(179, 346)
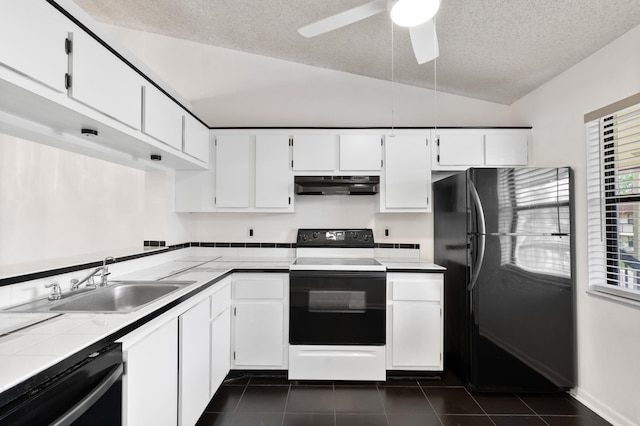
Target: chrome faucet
point(89, 279)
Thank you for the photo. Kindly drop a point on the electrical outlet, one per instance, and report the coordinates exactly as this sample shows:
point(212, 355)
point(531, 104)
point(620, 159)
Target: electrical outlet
point(387, 232)
point(250, 232)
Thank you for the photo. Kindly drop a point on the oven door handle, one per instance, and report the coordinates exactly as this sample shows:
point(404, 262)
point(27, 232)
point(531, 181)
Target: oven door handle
point(88, 401)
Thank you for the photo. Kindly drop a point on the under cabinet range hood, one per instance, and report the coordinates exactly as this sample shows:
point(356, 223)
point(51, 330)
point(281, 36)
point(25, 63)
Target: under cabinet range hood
point(337, 185)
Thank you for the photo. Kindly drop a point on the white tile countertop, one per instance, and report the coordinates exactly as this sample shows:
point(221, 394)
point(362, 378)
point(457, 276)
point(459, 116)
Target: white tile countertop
point(26, 350)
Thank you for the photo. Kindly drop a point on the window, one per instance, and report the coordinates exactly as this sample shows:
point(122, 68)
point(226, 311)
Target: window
point(613, 197)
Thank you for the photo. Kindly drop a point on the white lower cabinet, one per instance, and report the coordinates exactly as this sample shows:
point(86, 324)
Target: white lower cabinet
point(260, 321)
point(194, 363)
point(220, 328)
point(176, 362)
point(415, 321)
point(150, 385)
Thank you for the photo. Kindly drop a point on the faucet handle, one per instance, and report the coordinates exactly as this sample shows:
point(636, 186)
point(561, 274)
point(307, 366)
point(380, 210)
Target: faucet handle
point(56, 291)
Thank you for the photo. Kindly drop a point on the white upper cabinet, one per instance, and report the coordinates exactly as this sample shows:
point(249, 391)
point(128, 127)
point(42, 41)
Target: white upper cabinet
point(505, 150)
point(459, 149)
point(406, 178)
point(316, 153)
point(360, 152)
point(196, 138)
point(33, 37)
point(233, 168)
point(273, 178)
point(100, 80)
point(162, 118)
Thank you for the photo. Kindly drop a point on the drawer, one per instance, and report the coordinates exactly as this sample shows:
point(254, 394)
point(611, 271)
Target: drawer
point(425, 288)
point(220, 300)
point(259, 289)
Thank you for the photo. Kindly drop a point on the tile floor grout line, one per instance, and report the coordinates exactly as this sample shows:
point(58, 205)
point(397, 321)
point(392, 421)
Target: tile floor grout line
point(481, 407)
point(286, 402)
point(534, 411)
point(430, 404)
point(384, 409)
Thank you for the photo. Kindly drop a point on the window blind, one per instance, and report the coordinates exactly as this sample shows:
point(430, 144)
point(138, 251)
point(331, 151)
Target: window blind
point(613, 202)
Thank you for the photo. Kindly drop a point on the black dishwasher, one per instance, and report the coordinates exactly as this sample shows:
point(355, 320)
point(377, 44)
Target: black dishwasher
point(88, 393)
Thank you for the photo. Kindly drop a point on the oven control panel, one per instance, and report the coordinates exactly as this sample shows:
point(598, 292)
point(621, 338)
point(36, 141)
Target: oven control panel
point(350, 238)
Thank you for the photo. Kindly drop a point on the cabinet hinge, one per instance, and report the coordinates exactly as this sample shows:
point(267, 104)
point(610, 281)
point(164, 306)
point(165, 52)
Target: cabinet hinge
point(381, 163)
point(427, 141)
point(67, 81)
point(292, 164)
point(234, 355)
point(215, 200)
point(68, 45)
point(438, 158)
point(124, 368)
point(438, 142)
point(381, 141)
point(234, 311)
point(290, 141)
point(289, 200)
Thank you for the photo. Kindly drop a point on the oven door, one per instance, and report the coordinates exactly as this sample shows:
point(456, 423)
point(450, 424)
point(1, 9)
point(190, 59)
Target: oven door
point(337, 308)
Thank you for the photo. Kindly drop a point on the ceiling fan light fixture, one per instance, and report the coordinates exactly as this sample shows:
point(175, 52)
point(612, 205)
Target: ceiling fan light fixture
point(409, 13)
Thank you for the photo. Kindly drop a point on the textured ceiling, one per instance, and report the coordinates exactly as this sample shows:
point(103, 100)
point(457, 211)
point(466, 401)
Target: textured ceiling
point(495, 50)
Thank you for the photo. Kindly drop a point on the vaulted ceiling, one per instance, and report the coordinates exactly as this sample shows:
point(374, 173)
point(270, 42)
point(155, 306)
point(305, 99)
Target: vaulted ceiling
point(494, 50)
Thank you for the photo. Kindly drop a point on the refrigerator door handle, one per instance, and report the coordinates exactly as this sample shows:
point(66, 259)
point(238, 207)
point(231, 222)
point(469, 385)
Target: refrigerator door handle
point(482, 229)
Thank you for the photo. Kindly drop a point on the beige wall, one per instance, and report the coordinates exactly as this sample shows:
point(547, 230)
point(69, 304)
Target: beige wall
point(608, 332)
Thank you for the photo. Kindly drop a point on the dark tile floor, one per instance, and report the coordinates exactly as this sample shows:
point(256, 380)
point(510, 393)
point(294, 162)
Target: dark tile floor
point(275, 401)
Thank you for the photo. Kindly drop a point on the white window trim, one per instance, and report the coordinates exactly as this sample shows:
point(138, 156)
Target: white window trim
point(596, 207)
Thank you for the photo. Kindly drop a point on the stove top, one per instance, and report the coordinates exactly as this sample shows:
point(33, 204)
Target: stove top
point(337, 261)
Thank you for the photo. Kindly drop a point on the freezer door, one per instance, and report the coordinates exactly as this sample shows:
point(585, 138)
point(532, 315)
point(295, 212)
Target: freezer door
point(451, 251)
point(524, 200)
point(522, 316)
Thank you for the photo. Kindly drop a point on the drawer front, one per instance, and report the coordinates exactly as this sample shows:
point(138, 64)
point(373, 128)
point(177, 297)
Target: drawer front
point(428, 288)
point(259, 289)
point(220, 301)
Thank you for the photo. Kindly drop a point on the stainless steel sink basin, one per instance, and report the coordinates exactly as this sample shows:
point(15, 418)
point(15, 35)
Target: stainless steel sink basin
point(118, 297)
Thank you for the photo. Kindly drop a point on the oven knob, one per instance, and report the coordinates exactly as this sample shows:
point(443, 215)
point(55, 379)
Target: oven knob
point(366, 237)
point(304, 237)
point(354, 235)
point(315, 235)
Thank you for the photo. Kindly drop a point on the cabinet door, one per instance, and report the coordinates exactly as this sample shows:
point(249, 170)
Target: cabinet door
point(505, 150)
point(220, 349)
point(407, 175)
point(102, 81)
point(360, 152)
point(315, 152)
point(193, 393)
point(259, 334)
point(33, 37)
point(273, 174)
point(196, 138)
point(162, 118)
point(417, 335)
point(460, 150)
point(150, 390)
point(233, 164)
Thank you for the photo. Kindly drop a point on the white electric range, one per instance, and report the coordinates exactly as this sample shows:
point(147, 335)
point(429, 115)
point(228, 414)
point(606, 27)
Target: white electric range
point(337, 313)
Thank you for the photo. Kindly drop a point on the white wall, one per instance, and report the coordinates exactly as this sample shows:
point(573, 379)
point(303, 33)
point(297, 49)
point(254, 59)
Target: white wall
point(55, 203)
point(608, 332)
point(235, 89)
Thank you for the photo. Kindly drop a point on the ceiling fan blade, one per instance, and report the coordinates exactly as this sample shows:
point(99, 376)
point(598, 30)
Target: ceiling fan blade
point(424, 41)
point(343, 18)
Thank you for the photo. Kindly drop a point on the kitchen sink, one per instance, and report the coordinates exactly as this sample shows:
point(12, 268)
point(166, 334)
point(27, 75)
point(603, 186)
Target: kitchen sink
point(117, 297)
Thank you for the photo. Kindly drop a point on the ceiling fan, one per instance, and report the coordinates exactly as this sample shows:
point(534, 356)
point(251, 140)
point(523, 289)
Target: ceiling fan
point(415, 14)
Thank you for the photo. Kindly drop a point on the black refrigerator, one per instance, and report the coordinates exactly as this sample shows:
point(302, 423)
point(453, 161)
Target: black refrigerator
point(505, 236)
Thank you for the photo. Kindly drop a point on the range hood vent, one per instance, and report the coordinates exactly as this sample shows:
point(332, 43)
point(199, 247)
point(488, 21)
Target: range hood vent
point(337, 185)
